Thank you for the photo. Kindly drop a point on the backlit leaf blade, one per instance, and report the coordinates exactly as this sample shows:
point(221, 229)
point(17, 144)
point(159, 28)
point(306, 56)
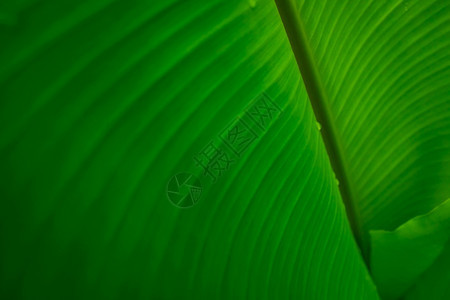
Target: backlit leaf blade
point(384, 68)
point(103, 102)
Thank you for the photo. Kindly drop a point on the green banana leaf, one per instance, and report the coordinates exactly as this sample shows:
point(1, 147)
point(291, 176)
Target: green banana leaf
point(220, 149)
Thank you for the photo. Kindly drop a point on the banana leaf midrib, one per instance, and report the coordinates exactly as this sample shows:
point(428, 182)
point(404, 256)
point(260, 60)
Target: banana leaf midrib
point(318, 99)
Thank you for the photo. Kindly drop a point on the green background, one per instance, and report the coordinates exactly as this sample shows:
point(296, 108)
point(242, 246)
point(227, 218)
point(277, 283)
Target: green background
point(102, 102)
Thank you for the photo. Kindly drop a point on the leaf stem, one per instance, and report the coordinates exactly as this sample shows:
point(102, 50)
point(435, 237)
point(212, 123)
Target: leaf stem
point(319, 101)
